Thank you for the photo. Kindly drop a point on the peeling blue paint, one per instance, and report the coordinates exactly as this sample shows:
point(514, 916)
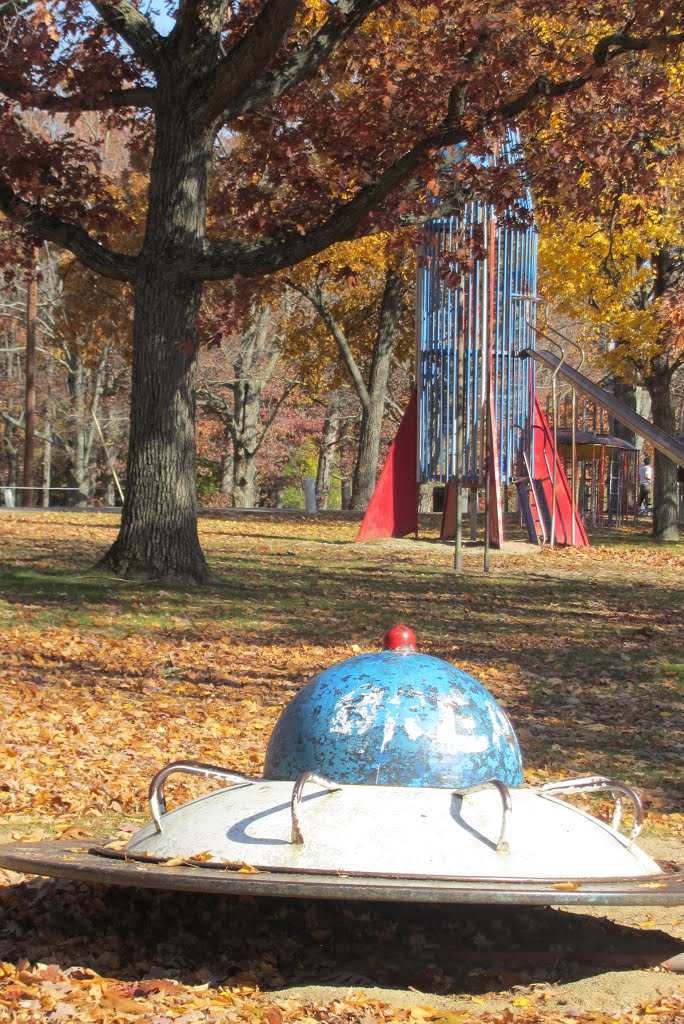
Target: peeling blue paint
point(395, 719)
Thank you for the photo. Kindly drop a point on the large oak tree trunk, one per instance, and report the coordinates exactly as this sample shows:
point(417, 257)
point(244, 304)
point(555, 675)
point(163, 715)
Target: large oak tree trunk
point(665, 492)
point(158, 535)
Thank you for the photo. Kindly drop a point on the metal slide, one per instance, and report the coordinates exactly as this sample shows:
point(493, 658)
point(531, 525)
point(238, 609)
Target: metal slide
point(658, 438)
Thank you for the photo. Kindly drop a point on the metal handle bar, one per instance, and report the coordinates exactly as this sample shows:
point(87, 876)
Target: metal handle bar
point(298, 789)
point(533, 488)
point(504, 792)
point(155, 794)
point(552, 478)
point(599, 784)
point(565, 337)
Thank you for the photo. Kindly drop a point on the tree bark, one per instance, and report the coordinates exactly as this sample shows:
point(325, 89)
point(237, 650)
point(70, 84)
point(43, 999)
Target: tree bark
point(47, 460)
point(247, 391)
point(12, 451)
point(669, 274)
point(48, 414)
point(84, 386)
point(78, 447)
point(227, 461)
point(330, 439)
point(665, 491)
point(158, 536)
point(425, 497)
point(366, 469)
point(244, 478)
point(626, 393)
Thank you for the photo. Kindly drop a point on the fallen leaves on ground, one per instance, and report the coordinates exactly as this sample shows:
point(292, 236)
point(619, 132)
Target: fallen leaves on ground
point(109, 953)
point(104, 682)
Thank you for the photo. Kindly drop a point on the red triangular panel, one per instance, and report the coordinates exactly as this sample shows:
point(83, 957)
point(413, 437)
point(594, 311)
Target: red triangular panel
point(543, 479)
point(393, 509)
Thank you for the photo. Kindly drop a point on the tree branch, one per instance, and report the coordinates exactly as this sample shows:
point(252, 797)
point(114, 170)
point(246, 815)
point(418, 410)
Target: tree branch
point(345, 20)
point(394, 407)
point(621, 42)
point(196, 39)
point(248, 58)
point(223, 259)
point(14, 7)
point(339, 337)
point(69, 236)
point(133, 27)
point(143, 96)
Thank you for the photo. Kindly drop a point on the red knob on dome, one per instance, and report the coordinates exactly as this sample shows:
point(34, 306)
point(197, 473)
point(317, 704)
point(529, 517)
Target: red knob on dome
point(399, 638)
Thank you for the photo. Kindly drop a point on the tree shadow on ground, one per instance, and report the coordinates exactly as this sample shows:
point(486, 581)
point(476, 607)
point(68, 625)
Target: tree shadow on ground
point(276, 943)
point(585, 666)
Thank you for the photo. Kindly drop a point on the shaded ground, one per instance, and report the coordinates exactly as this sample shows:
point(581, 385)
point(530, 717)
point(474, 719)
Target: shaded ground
point(103, 681)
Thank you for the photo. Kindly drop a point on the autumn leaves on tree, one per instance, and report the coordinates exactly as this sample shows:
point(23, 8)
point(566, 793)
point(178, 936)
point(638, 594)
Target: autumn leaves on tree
point(612, 251)
point(344, 110)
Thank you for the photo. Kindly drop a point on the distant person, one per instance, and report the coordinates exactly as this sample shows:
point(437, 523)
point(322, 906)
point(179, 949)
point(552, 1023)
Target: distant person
point(645, 482)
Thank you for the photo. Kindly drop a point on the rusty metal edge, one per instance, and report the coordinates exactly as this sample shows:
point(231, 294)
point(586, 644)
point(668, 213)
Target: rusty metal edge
point(68, 860)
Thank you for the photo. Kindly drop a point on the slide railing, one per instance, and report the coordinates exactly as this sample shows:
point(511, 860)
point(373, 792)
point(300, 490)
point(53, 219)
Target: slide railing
point(658, 438)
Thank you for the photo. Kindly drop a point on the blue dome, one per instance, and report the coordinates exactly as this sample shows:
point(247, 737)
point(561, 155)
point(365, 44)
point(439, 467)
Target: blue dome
point(396, 718)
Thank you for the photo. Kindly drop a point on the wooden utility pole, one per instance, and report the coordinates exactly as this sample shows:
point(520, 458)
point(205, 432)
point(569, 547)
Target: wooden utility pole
point(30, 385)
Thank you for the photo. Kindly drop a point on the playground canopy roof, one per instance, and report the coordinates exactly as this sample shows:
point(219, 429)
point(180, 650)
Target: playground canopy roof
point(586, 442)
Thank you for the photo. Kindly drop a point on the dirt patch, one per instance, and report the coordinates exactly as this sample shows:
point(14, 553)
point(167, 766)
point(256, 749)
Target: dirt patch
point(556, 959)
point(470, 548)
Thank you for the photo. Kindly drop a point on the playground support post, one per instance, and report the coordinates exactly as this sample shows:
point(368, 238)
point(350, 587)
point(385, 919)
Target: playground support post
point(30, 384)
point(458, 469)
point(489, 410)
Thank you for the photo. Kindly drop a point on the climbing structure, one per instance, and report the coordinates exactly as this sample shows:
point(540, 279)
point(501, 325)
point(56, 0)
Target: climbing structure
point(474, 420)
point(469, 332)
point(474, 406)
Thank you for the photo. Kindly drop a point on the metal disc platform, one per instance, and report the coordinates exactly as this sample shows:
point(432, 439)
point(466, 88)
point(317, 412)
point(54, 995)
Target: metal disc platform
point(487, 831)
point(488, 844)
point(67, 860)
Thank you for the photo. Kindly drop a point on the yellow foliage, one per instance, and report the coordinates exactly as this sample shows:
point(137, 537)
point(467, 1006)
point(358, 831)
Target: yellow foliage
point(601, 273)
point(96, 311)
point(352, 276)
